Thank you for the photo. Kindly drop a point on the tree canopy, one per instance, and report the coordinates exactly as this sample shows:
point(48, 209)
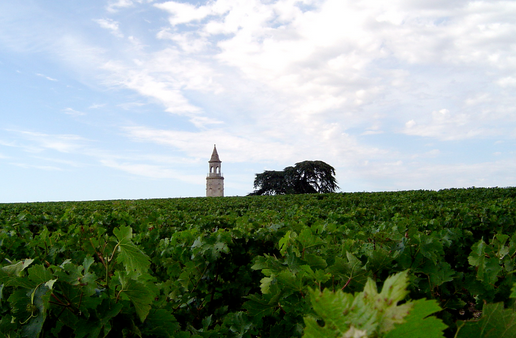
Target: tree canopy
point(305, 177)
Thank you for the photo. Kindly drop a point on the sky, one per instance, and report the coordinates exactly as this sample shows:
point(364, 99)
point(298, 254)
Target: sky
point(125, 99)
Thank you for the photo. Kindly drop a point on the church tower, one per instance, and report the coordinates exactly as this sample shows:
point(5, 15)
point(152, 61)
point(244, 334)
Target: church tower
point(214, 180)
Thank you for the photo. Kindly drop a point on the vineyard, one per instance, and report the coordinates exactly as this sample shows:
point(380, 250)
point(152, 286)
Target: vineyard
point(390, 264)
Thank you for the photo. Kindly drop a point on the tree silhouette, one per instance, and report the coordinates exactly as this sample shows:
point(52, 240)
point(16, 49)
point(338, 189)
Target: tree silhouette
point(305, 177)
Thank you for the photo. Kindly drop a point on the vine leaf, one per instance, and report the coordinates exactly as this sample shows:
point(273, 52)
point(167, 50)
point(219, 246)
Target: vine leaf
point(140, 295)
point(258, 307)
point(11, 275)
point(340, 312)
point(128, 253)
point(370, 313)
point(30, 308)
point(483, 258)
point(39, 275)
point(16, 268)
point(160, 323)
point(98, 327)
point(39, 301)
point(418, 324)
point(495, 322)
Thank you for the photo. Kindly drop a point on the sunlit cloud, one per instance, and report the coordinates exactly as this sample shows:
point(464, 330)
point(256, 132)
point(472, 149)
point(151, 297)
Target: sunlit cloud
point(41, 167)
point(97, 106)
point(38, 142)
point(386, 93)
point(151, 171)
point(46, 77)
point(110, 25)
point(448, 126)
point(119, 4)
point(73, 112)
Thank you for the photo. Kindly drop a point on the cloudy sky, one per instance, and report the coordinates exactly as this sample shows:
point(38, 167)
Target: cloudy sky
point(124, 99)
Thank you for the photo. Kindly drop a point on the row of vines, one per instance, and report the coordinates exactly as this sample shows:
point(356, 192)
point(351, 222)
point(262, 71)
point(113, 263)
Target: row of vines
point(390, 264)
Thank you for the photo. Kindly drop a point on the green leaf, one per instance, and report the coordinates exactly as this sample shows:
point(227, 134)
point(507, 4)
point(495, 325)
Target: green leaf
point(239, 323)
point(431, 247)
point(495, 322)
point(350, 268)
point(160, 323)
point(288, 241)
point(341, 314)
point(484, 259)
point(393, 291)
point(513, 291)
point(370, 314)
point(92, 328)
point(378, 260)
point(315, 262)
point(128, 253)
point(259, 307)
point(37, 302)
point(39, 274)
point(265, 284)
point(491, 270)
point(417, 324)
point(140, 295)
point(29, 308)
point(289, 281)
point(16, 268)
point(438, 273)
point(293, 261)
point(395, 287)
point(88, 261)
point(308, 240)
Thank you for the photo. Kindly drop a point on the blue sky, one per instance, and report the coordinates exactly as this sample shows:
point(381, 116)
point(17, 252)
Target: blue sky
point(124, 99)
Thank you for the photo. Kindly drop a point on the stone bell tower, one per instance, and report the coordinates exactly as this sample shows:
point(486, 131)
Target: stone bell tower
point(214, 180)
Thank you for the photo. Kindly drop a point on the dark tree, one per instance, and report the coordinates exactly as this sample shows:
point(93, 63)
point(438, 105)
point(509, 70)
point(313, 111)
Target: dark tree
point(313, 177)
point(305, 177)
point(270, 182)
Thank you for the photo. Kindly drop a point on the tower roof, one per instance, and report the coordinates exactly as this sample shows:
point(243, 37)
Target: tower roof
point(214, 155)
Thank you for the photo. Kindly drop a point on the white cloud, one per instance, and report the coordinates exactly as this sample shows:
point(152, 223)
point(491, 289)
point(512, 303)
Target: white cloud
point(131, 105)
point(114, 6)
point(249, 145)
point(151, 171)
point(63, 143)
point(196, 144)
point(429, 154)
point(166, 91)
point(165, 76)
point(447, 126)
point(477, 99)
point(73, 112)
point(136, 43)
point(47, 77)
point(276, 82)
point(60, 161)
point(189, 42)
point(42, 167)
point(508, 81)
point(319, 61)
point(146, 170)
point(433, 175)
point(97, 106)
point(111, 25)
point(184, 12)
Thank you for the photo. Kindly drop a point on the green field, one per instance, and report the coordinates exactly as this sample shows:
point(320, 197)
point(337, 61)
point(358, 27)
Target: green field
point(262, 266)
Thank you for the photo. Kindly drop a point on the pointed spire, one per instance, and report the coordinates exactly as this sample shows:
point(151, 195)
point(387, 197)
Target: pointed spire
point(214, 155)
